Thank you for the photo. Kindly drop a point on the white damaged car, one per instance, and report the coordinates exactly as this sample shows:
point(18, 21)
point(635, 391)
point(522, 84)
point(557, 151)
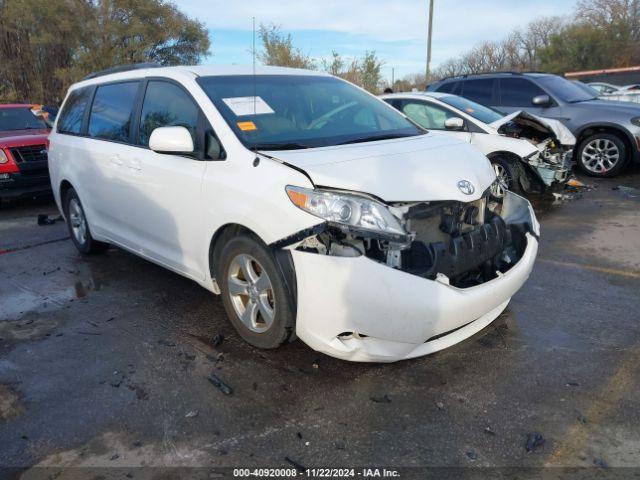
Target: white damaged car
point(316, 210)
point(528, 153)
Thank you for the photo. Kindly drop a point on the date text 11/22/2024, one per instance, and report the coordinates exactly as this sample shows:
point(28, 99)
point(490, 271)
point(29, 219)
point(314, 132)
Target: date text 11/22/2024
point(316, 472)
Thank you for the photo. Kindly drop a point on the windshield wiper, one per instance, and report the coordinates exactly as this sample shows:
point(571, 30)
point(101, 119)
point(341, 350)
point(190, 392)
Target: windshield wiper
point(378, 137)
point(280, 146)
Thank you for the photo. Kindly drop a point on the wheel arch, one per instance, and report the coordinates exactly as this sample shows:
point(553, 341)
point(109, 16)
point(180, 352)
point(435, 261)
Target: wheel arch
point(283, 258)
point(610, 128)
point(65, 186)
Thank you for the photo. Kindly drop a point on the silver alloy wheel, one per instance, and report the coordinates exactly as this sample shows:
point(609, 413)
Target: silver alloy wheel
point(251, 293)
point(500, 187)
point(77, 221)
point(600, 155)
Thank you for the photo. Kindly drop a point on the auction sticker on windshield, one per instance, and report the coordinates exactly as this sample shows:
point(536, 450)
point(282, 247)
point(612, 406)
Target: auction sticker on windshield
point(248, 106)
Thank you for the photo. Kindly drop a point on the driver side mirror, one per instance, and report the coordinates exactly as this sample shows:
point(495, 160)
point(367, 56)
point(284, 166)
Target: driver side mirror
point(541, 101)
point(454, 123)
point(176, 140)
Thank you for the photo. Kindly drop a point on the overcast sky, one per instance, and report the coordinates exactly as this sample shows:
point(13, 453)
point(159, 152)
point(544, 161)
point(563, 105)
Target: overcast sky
point(395, 29)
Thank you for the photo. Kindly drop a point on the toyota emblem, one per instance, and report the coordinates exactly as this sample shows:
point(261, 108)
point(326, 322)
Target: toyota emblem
point(466, 187)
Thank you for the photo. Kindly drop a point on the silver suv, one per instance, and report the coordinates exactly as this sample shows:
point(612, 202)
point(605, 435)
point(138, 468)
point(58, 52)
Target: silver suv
point(607, 132)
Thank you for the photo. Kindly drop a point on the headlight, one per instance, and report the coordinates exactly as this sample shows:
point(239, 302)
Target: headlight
point(636, 121)
point(353, 211)
point(3, 157)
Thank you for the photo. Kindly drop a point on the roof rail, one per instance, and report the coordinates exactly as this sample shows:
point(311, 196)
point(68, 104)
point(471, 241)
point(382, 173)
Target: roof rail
point(121, 68)
point(497, 72)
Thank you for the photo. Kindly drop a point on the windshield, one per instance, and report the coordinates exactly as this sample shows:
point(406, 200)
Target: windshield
point(477, 111)
point(564, 90)
point(19, 119)
point(271, 112)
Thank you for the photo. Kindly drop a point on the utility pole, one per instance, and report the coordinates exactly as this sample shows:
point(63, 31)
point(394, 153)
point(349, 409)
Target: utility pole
point(427, 71)
point(393, 76)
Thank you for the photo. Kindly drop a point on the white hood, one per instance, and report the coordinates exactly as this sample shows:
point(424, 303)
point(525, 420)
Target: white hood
point(422, 168)
point(562, 133)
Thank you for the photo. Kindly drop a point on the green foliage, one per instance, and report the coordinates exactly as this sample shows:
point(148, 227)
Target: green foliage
point(278, 49)
point(47, 45)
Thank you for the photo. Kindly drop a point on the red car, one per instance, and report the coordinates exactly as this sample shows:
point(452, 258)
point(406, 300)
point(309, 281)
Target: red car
point(23, 152)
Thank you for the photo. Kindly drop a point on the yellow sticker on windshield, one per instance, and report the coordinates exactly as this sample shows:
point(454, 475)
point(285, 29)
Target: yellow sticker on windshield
point(247, 126)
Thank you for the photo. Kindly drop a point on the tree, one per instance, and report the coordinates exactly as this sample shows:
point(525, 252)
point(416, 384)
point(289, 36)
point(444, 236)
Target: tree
point(46, 46)
point(369, 67)
point(278, 49)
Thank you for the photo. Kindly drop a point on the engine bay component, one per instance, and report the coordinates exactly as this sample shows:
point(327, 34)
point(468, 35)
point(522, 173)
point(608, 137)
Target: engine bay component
point(458, 243)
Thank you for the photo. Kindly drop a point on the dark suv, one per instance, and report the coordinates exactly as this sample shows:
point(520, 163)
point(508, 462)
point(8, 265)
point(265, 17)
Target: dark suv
point(607, 132)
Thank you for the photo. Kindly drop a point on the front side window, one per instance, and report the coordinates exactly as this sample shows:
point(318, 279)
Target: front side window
point(20, 119)
point(111, 112)
point(166, 105)
point(70, 120)
point(427, 115)
point(302, 111)
point(480, 90)
point(565, 90)
point(518, 92)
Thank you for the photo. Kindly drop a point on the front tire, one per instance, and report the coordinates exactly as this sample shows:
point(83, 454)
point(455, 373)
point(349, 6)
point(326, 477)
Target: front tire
point(602, 155)
point(508, 175)
point(79, 227)
point(254, 293)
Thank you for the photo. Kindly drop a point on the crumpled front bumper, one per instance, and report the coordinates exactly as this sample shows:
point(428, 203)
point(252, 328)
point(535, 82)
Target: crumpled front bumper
point(395, 315)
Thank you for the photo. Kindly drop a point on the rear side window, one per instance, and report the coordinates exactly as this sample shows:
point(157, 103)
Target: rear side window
point(70, 120)
point(111, 112)
point(450, 87)
point(167, 105)
point(480, 90)
point(518, 92)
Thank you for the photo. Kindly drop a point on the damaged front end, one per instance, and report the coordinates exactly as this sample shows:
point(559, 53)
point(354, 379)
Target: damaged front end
point(456, 243)
point(554, 142)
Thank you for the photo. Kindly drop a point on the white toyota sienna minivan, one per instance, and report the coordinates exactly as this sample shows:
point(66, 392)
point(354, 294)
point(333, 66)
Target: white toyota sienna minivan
point(317, 210)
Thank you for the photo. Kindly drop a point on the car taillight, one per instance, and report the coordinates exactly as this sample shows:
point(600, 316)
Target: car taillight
point(7, 164)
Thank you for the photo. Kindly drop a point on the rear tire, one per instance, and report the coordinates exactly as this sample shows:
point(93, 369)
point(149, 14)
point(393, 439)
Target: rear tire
point(508, 175)
point(254, 293)
point(602, 155)
point(79, 227)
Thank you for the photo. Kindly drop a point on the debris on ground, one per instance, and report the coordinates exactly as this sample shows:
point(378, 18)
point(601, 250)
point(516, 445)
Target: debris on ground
point(572, 384)
point(299, 435)
point(166, 343)
point(576, 185)
point(44, 219)
point(600, 462)
point(488, 430)
point(628, 192)
point(298, 466)
point(472, 454)
point(339, 445)
point(565, 197)
point(440, 405)
point(581, 418)
point(191, 414)
point(220, 384)
point(381, 399)
point(534, 441)
point(115, 456)
point(218, 338)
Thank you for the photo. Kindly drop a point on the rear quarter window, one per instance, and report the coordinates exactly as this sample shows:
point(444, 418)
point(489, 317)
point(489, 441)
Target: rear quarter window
point(70, 119)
